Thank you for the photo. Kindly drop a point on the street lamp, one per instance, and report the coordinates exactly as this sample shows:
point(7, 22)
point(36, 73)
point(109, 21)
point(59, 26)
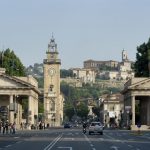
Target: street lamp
point(149, 61)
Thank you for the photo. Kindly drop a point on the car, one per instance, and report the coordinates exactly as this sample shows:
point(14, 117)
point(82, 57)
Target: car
point(67, 125)
point(96, 127)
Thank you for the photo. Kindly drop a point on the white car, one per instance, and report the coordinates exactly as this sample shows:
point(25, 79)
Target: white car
point(96, 127)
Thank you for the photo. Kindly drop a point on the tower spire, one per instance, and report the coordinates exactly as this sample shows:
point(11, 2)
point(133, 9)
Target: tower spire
point(52, 46)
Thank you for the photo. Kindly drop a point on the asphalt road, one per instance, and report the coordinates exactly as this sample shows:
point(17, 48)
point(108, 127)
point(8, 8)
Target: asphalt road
point(74, 139)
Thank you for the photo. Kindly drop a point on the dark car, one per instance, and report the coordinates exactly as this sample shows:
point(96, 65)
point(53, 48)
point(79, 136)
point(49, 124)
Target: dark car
point(67, 125)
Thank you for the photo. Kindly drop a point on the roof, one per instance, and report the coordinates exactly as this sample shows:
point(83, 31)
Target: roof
point(11, 82)
point(137, 84)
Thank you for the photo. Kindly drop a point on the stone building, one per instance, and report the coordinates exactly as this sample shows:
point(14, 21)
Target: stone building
point(93, 64)
point(109, 70)
point(15, 90)
point(85, 75)
point(53, 100)
point(137, 102)
point(111, 106)
point(118, 75)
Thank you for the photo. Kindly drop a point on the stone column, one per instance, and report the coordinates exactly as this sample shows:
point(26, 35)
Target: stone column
point(133, 109)
point(11, 113)
point(30, 110)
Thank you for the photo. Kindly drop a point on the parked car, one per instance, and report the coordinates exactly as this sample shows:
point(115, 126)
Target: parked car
point(96, 127)
point(67, 125)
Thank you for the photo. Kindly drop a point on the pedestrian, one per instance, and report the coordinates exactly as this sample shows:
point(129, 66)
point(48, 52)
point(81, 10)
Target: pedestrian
point(14, 128)
point(10, 128)
point(47, 125)
point(40, 125)
point(3, 126)
point(0, 126)
point(21, 126)
point(6, 126)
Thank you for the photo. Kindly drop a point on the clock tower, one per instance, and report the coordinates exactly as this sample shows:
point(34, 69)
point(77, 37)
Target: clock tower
point(53, 100)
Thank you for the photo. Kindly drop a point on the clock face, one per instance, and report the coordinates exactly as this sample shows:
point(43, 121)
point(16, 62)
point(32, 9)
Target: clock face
point(51, 71)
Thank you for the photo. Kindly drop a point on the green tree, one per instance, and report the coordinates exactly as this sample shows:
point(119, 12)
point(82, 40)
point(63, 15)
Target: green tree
point(66, 73)
point(11, 63)
point(69, 111)
point(142, 60)
point(40, 82)
point(82, 110)
point(40, 107)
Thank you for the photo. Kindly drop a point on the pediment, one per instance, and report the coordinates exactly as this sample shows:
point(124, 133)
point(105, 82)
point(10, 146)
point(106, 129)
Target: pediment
point(7, 81)
point(144, 84)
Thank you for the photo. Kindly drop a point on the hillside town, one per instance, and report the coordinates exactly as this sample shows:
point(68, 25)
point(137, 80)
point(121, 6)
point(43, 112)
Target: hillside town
point(115, 109)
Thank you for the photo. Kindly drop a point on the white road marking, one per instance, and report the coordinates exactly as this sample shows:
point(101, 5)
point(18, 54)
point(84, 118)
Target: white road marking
point(130, 145)
point(16, 137)
point(70, 148)
point(109, 136)
point(91, 145)
point(114, 147)
point(49, 147)
point(87, 139)
point(69, 139)
point(8, 146)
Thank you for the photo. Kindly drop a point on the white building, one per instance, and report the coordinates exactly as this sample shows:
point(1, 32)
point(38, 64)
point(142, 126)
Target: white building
point(86, 75)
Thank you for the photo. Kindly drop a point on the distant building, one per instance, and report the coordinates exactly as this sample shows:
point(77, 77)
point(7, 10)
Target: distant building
point(85, 75)
point(112, 70)
point(111, 107)
point(96, 65)
point(118, 75)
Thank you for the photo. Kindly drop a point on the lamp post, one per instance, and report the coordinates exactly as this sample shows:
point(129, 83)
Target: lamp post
point(1, 58)
point(149, 61)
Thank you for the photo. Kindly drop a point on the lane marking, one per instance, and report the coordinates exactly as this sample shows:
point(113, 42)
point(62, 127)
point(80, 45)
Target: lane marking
point(16, 137)
point(66, 147)
point(91, 145)
point(48, 147)
point(130, 145)
point(114, 147)
point(69, 139)
point(8, 146)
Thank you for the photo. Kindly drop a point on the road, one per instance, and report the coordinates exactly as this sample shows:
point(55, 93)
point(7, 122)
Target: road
point(74, 139)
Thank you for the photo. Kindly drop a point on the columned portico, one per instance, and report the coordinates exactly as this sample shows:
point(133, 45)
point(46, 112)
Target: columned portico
point(13, 91)
point(137, 95)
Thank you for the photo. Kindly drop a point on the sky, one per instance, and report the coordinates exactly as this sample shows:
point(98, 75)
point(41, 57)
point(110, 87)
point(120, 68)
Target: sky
point(83, 29)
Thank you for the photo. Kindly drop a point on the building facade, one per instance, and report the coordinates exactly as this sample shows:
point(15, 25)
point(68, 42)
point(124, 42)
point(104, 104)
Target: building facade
point(13, 92)
point(96, 65)
point(85, 75)
point(137, 102)
point(53, 100)
point(111, 107)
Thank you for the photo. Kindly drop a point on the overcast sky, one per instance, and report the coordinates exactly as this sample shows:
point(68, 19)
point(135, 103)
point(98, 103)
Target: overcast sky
point(83, 29)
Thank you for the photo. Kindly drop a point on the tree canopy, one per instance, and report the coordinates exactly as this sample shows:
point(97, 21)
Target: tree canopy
point(11, 63)
point(142, 60)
